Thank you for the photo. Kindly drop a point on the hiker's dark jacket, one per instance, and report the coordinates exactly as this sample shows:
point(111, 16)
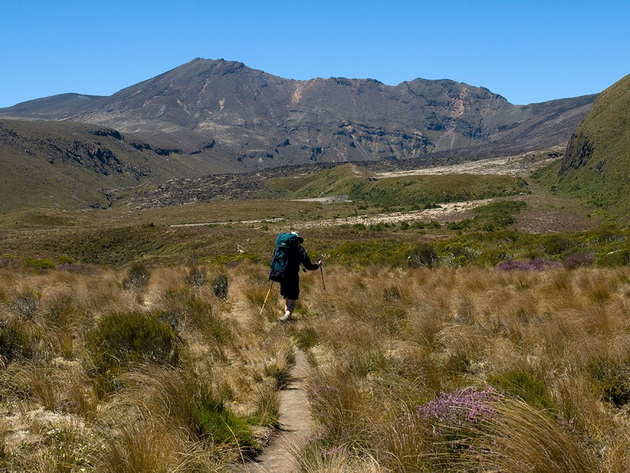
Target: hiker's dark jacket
point(297, 259)
point(290, 284)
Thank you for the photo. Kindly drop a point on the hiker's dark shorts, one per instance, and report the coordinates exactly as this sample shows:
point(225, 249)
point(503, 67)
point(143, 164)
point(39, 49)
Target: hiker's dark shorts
point(290, 288)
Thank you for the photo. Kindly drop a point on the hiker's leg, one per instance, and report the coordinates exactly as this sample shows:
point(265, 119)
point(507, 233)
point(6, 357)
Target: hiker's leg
point(290, 290)
point(289, 305)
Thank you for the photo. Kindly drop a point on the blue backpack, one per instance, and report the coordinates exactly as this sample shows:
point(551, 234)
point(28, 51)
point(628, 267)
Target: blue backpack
point(287, 245)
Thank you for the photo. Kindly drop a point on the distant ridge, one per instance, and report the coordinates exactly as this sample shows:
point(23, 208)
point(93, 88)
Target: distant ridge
point(255, 120)
point(73, 165)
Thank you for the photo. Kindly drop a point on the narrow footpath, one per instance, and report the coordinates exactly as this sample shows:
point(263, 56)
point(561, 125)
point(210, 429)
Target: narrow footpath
point(295, 425)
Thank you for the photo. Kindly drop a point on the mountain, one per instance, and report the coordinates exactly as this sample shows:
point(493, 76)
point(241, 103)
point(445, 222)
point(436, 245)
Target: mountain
point(243, 119)
point(596, 164)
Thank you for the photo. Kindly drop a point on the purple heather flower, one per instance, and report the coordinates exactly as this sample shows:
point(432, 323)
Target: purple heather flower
point(538, 264)
point(461, 407)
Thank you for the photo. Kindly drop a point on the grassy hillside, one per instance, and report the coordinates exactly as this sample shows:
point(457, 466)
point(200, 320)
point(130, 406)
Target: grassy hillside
point(56, 165)
point(362, 186)
point(597, 161)
point(327, 183)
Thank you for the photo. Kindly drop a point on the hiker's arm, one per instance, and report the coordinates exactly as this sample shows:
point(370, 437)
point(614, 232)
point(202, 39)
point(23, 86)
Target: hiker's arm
point(306, 261)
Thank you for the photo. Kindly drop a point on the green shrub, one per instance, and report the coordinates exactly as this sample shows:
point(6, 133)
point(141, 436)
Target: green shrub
point(38, 265)
point(525, 385)
point(423, 255)
point(460, 253)
point(613, 378)
point(373, 252)
point(216, 423)
point(577, 260)
point(121, 339)
point(460, 225)
point(26, 303)
point(196, 276)
point(66, 260)
point(15, 341)
point(137, 277)
point(496, 215)
point(554, 245)
point(618, 257)
point(220, 286)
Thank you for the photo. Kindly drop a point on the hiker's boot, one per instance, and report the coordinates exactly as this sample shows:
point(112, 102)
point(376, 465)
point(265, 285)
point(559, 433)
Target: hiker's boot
point(286, 317)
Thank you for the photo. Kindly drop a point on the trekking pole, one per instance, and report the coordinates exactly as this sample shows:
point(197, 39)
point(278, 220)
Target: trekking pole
point(321, 270)
point(266, 297)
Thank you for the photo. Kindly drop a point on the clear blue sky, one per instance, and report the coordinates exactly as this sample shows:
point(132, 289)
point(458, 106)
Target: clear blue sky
point(528, 51)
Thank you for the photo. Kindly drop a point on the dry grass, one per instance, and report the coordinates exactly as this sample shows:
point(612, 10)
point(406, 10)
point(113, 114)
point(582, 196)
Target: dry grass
point(389, 342)
point(150, 418)
point(383, 345)
point(147, 447)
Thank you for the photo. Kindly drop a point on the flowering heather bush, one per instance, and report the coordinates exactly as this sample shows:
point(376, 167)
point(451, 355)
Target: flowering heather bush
point(459, 408)
point(538, 264)
point(444, 430)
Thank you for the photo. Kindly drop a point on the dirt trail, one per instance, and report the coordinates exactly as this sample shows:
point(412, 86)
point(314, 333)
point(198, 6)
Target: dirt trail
point(295, 423)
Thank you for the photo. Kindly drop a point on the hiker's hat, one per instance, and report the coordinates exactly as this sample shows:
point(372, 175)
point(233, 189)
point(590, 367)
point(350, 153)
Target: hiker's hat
point(300, 239)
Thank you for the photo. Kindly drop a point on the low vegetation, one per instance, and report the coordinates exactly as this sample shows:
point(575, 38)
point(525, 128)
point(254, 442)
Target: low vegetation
point(135, 370)
point(468, 370)
point(413, 369)
point(492, 337)
point(595, 165)
point(421, 191)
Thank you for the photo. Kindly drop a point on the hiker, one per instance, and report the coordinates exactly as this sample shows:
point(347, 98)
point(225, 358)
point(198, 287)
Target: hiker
point(288, 269)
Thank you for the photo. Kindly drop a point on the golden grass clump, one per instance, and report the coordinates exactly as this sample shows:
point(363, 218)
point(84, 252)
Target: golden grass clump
point(144, 446)
point(517, 437)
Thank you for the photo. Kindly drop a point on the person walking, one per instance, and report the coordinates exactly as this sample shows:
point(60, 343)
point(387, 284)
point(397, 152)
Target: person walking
point(290, 282)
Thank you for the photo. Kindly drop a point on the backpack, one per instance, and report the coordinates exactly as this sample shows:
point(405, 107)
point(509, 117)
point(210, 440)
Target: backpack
point(286, 248)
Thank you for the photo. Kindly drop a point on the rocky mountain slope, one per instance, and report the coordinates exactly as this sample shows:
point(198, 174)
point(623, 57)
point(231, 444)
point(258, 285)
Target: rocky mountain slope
point(66, 165)
point(242, 119)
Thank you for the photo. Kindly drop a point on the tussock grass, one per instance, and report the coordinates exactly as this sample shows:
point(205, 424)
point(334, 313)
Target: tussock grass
point(523, 438)
point(161, 374)
point(146, 447)
point(338, 460)
point(551, 344)
point(386, 346)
